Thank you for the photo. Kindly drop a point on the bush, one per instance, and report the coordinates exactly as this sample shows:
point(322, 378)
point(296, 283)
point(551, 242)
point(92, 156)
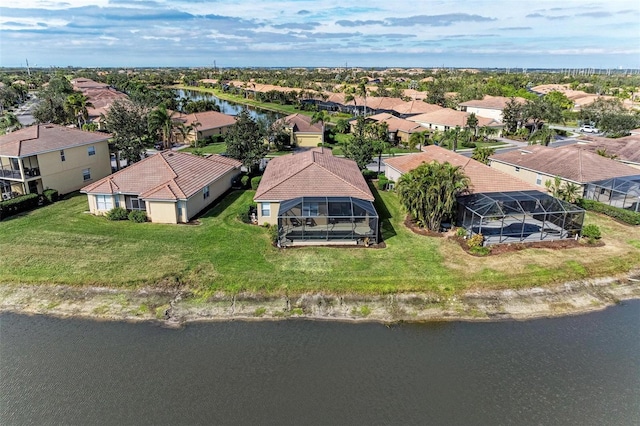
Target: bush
point(369, 174)
point(475, 241)
point(18, 204)
point(461, 232)
point(50, 195)
point(244, 181)
point(117, 213)
point(626, 216)
point(591, 232)
point(138, 216)
point(382, 182)
point(255, 181)
point(246, 211)
point(273, 232)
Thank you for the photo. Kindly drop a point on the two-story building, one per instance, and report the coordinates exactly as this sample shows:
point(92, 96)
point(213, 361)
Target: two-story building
point(51, 156)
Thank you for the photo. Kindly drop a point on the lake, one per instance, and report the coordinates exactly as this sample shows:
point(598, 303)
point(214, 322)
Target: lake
point(580, 370)
point(226, 107)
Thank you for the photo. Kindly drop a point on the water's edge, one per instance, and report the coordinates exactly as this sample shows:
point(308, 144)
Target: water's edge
point(176, 307)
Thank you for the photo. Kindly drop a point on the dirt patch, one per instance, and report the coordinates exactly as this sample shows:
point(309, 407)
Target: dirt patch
point(497, 249)
point(413, 226)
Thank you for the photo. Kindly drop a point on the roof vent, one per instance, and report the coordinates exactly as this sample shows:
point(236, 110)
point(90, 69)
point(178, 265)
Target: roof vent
point(170, 154)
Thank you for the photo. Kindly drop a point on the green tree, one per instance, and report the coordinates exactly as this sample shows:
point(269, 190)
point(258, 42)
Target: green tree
point(77, 104)
point(9, 122)
point(512, 115)
point(161, 122)
point(359, 147)
point(542, 136)
point(127, 122)
point(342, 125)
point(566, 191)
point(482, 153)
point(429, 193)
point(321, 117)
point(379, 134)
point(472, 124)
point(417, 139)
point(245, 141)
point(559, 99)
point(539, 110)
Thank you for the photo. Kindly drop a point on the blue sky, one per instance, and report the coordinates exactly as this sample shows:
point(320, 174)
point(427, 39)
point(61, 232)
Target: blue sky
point(371, 33)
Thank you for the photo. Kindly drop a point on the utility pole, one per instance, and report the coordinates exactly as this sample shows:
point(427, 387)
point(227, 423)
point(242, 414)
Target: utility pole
point(28, 69)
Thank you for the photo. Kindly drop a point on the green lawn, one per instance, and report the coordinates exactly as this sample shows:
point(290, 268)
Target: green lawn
point(214, 148)
point(62, 244)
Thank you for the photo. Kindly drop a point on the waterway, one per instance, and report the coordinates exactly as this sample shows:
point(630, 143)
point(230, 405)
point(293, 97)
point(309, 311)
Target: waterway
point(580, 370)
point(226, 107)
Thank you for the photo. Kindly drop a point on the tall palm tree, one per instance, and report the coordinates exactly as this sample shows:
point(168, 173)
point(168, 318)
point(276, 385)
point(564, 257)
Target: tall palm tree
point(321, 117)
point(417, 139)
point(161, 122)
point(77, 103)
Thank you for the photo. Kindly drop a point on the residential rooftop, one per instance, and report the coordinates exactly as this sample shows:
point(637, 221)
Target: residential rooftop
point(41, 138)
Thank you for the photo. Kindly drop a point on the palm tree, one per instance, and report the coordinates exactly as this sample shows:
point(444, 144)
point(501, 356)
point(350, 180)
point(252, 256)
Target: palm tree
point(9, 122)
point(362, 91)
point(542, 136)
point(161, 121)
point(77, 103)
point(321, 117)
point(472, 124)
point(193, 127)
point(429, 192)
point(482, 153)
point(417, 139)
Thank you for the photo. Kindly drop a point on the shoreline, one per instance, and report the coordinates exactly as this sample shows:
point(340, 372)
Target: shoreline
point(179, 307)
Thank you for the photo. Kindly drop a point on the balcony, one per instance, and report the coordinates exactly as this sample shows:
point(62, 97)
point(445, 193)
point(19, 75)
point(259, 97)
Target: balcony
point(10, 174)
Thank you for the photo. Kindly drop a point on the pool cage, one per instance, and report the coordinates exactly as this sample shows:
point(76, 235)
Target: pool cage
point(622, 192)
point(327, 220)
point(521, 216)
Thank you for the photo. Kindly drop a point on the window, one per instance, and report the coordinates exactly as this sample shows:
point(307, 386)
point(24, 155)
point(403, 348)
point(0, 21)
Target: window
point(539, 179)
point(136, 204)
point(104, 202)
point(86, 174)
point(62, 155)
point(91, 151)
point(310, 209)
point(266, 209)
point(517, 169)
point(205, 192)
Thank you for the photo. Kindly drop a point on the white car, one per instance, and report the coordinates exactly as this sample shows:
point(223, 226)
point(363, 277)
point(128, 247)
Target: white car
point(589, 129)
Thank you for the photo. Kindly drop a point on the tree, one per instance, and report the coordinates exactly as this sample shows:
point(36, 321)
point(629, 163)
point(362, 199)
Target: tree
point(359, 148)
point(472, 123)
point(342, 125)
point(245, 141)
point(379, 134)
point(429, 192)
point(9, 122)
point(417, 139)
point(160, 121)
point(543, 136)
point(482, 153)
point(512, 115)
point(201, 105)
point(559, 99)
point(321, 117)
point(127, 122)
point(539, 110)
point(77, 104)
point(567, 191)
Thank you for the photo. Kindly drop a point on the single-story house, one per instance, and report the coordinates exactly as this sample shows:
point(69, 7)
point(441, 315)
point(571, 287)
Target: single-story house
point(489, 106)
point(447, 118)
point(572, 164)
point(44, 156)
point(501, 207)
point(316, 198)
point(205, 124)
point(304, 133)
point(625, 150)
point(399, 129)
point(414, 107)
point(171, 187)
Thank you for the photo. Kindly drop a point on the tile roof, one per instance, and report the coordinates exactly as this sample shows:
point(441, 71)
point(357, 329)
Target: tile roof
point(42, 138)
point(394, 123)
point(312, 173)
point(572, 163)
point(208, 119)
point(301, 123)
point(483, 178)
point(625, 149)
point(491, 102)
point(168, 175)
point(451, 117)
point(415, 107)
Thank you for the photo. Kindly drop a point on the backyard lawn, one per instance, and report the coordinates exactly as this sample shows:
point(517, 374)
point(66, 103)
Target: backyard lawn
point(214, 148)
point(62, 244)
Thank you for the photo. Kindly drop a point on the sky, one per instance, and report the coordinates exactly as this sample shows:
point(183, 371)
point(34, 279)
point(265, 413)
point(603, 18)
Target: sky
point(327, 33)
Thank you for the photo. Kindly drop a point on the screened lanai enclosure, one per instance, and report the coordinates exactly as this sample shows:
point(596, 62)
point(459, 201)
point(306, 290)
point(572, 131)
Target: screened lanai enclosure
point(622, 192)
point(521, 216)
point(327, 220)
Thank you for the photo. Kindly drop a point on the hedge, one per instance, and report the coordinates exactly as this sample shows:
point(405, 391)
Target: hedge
point(255, 181)
point(18, 204)
point(626, 216)
point(50, 195)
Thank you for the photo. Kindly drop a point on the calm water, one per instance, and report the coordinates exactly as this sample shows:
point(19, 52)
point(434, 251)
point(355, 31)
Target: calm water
point(226, 107)
point(581, 370)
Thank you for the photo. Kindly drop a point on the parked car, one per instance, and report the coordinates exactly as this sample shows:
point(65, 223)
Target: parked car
point(589, 129)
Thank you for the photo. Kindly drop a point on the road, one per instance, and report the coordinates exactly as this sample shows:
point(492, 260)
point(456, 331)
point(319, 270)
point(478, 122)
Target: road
point(24, 111)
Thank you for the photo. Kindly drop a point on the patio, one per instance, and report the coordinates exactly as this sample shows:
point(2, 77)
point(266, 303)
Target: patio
point(622, 192)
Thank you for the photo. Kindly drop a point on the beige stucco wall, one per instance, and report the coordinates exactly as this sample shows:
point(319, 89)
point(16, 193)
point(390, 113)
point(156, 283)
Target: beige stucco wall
point(204, 133)
point(528, 175)
point(307, 140)
point(162, 211)
point(392, 174)
point(93, 204)
point(66, 176)
point(496, 114)
point(273, 219)
point(196, 203)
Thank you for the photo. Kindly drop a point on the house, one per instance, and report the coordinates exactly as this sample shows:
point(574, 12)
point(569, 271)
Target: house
point(304, 133)
point(44, 156)
point(315, 198)
point(489, 106)
point(399, 129)
point(538, 164)
point(414, 107)
point(447, 118)
point(625, 150)
point(171, 187)
point(202, 125)
point(501, 207)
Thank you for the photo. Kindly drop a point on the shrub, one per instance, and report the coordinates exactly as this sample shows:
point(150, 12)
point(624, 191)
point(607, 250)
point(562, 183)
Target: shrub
point(382, 182)
point(481, 251)
point(255, 181)
point(591, 231)
point(461, 232)
point(273, 232)
point(245, 212)
point(18, 204)
point(138, 216)
point(369, 174)
point(50, 195)
point(117, 213)
point(626, 216)
point(475, 241)
point(244, 181)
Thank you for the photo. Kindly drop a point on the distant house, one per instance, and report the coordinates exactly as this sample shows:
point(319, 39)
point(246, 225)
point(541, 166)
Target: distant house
point(171, 187)
point(51, 156)
point(315, 198)
point(304, 133)
point(501, 207)
point(625, 150)
point(205, 124)
point(411, 108)
point(489, 106)
point(447, 118)
point(399, 129)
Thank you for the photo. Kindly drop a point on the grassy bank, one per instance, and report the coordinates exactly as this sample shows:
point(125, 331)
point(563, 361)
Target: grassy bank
point(62, 244)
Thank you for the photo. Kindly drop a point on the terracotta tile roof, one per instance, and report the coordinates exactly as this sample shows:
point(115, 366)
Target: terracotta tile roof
point(626, 149)
point(168, 175)
point(208, 120)
point(384, 103)
point(415, 107)
point(483, 178)
point(394, 123)
point(301, 123)
point(571, 163)
point(451, 117)
point(42, 138)
point(312, 173)
point(491, 102)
